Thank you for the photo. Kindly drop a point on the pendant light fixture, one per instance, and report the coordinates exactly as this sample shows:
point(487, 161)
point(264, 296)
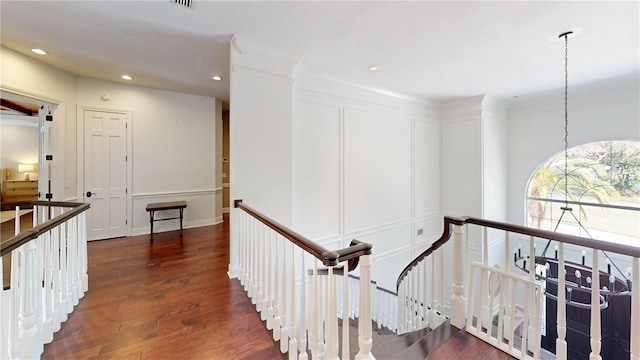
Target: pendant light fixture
point(548, 265)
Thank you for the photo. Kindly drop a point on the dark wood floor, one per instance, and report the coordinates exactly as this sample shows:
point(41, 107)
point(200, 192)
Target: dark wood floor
point(166, 299)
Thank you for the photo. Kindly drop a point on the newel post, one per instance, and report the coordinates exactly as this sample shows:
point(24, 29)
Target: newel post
point(458, 302)
point(364, 320)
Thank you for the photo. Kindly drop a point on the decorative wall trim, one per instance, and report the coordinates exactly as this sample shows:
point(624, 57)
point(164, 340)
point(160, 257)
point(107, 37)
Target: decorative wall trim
point(30, 94)
point(304, 73)
point(417, 112)
point(262, 73)
point(176, 193)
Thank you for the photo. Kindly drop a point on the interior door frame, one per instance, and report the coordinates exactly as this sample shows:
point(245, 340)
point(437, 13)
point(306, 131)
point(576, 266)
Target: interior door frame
point(57, 131)
point(81, 151)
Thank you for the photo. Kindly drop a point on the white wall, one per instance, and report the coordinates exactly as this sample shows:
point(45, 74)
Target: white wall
point(27, 76)
point(260, 133)
point(536, 130)
point(365, 166)
point(173, 149)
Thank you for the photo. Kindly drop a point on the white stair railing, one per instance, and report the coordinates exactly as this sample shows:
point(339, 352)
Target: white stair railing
point(304, 302)
point(519, 302)
point(48, 277)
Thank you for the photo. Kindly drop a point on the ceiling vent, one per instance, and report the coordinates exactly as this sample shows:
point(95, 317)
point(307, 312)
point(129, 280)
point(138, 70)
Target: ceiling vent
point(185, 3)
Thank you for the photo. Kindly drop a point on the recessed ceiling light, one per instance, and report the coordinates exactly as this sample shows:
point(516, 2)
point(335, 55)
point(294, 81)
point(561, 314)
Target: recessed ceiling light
point(373, 68)
point(217, 78)
point(39, 51)
point(127, 77)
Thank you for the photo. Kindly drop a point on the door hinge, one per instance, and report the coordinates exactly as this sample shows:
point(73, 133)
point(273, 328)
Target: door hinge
point(49, 118)
point(49, 196)
point(126, 190)
point(48, 157)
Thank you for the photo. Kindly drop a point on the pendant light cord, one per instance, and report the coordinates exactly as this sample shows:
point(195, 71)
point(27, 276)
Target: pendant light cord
point(566, 119)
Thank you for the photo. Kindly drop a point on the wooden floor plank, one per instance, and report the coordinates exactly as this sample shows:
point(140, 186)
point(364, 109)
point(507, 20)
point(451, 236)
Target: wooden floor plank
point(166, 299)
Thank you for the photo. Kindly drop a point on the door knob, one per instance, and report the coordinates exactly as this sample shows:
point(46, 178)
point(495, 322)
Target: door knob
point(89, 193)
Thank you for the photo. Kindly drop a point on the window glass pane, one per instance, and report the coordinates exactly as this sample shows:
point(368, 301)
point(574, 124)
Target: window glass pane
point(594, 191)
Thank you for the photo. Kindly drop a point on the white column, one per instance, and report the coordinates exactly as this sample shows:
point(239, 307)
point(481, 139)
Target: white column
point(365, 340)
point(457, 299)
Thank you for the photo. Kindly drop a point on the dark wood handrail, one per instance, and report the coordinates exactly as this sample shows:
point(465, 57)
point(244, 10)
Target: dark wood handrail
point(446, 234)
point(538, 233)
point(8, 245)
point(328, 257)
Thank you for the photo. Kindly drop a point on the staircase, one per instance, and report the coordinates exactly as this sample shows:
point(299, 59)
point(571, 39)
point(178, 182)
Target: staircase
point(414, 345)
point(450, 299)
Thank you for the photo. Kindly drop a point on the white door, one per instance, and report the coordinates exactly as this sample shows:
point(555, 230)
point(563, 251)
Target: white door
point(44, 149)
point(105, 173)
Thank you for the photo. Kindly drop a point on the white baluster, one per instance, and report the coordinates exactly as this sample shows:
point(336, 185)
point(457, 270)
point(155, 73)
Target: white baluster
point(365, 341)
point(46, 290)
point(402, 306)
point(441, 305)
point(84, 253)
point(293, 345)
point(30, 297)
point(14, 326)
point(247, 251)
point(284, 330)
point(252, 260)
point(269, 295)
point(331, 314)
point(561, 343)
point(73, 264)
point(259, 270)
point(596, 329)
point(315, 324)
point(62, 291)
point(512, 311)
point(635, 309)
point(303, 310)
point(433, 315)
point(69, 267)
point(457, 299)
point(262, 289)
point(55, 278)
point(502, 321)
point(16, 221)
point(345, 311)
point(241, 277)
point(277, 323)
point(425, 297)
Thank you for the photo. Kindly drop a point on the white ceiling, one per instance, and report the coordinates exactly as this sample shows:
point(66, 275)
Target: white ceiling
point(432, 49)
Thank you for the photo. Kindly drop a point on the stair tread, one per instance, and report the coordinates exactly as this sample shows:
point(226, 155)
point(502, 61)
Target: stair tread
point(429, 343)
point(396, 345)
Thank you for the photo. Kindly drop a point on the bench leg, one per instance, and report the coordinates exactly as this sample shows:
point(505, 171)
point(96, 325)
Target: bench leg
point(181, 219)
point(151, 221)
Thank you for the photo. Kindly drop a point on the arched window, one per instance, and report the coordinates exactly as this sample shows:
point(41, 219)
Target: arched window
point(601, 197)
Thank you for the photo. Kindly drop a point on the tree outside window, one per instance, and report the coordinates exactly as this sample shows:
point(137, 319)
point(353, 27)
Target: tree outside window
point(601, 186)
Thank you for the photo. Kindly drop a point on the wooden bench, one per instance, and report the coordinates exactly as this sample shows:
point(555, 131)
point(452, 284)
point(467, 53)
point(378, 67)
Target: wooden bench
point(171, 205)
